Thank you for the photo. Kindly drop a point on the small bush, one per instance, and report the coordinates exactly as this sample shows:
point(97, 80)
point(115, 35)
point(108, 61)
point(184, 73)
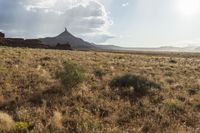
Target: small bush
point(172, 61)
point(99, 73)
point(45, 58)
point(71, 75)
point(140, 84)
point(6, 122)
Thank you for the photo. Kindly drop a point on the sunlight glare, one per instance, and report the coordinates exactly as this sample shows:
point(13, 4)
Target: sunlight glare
point(188, 8)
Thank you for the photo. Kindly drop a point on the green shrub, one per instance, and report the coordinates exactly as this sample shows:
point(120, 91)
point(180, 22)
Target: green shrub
point(71, 75)
point(140, 84)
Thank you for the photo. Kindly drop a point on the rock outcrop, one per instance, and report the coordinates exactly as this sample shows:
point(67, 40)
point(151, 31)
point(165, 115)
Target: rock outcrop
point(2, 35)
point(20, 42)
point(30, 43)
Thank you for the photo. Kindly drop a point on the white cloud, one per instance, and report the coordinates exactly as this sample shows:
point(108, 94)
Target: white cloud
point(125, 4)
point(100, 38)
point(48, 17)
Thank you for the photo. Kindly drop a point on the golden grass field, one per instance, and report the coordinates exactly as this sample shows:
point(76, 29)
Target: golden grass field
point(34, 99)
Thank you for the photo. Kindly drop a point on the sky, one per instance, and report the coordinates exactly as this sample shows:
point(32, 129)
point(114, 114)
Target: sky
point(126, 23)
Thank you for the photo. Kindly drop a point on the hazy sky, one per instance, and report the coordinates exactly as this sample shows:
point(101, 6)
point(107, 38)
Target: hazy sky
point(127, 23)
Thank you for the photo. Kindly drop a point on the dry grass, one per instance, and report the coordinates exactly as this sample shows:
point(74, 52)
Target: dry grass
point(6, 122)
point(30, 91)
point(56, 121)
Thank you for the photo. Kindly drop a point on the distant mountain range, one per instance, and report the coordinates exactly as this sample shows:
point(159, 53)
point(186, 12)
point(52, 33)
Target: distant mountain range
point(77, 43)
point(159, 49)
point(168, 49)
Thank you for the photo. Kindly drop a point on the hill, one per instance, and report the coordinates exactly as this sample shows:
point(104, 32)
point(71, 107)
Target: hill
point(57, 91)
point(67, 37)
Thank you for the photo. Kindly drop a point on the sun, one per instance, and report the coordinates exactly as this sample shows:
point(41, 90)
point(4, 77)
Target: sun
point(188, 7)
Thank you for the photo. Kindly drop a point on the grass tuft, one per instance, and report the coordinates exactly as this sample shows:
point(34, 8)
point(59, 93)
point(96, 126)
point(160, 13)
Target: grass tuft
point(173, 105)
point(6, 122)
point(57, 120)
